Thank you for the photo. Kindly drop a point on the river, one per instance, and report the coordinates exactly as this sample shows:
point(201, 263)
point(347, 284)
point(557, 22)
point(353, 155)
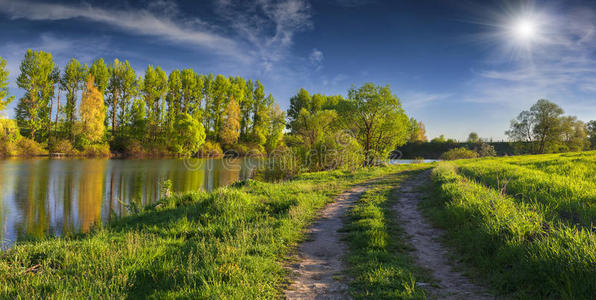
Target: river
point(42, 197)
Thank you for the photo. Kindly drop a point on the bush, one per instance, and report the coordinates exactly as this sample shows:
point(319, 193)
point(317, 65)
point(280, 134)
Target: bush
point(102, 150)
point(459, 153)
point(9, 135)
point(282, 164)
point(211, 150)
point(134, 149)
point(486, 149)
point(28, 147)
point(64, 146)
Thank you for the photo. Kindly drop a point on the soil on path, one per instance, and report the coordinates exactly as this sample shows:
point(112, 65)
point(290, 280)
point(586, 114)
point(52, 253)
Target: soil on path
point(320, 273)
point(430, 253)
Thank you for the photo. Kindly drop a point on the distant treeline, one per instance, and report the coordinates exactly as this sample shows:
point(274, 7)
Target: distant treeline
point(432, 150)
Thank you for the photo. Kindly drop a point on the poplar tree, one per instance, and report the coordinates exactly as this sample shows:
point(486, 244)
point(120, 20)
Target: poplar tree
point(101, 74)
point(246, 107)
point(174, 98)
point(37, 78)
point(92, 112)
point(230, 130)
point(71, 82)
point(5, 100)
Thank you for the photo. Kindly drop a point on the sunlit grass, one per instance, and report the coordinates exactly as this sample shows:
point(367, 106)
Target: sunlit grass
point(515, 241)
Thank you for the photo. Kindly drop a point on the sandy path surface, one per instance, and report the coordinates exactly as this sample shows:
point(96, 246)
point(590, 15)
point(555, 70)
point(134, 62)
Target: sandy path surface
point(429, 252)
point(320, 272)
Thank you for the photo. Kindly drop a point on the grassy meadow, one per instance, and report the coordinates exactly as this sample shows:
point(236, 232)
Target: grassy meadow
point(230, 243)
point(525, 223)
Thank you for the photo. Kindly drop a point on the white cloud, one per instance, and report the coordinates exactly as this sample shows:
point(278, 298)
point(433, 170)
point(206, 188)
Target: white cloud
point(316, 58)
point(137, 21)
point(268, 25)
point(417, 100)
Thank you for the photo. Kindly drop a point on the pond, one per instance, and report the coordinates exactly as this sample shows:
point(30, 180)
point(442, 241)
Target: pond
point(41, 197)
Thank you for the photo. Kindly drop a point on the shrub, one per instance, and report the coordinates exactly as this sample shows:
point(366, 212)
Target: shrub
point(459, 153)
point(281, 164)
point(102, 150)
point(134, 149)
point(486, 149)
point(210, 149)
point(64, 146)
point(28, 147)
point(9, 135)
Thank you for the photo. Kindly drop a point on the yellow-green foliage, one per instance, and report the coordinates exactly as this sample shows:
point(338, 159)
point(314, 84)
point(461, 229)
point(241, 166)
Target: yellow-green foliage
point(13, 144)
point(459, 153)
point(529, 231)
point(97, 150)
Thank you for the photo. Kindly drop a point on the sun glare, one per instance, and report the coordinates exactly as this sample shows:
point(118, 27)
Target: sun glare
point(524, 29)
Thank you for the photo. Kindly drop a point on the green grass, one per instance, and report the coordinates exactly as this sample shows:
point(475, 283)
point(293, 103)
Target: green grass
point(230, 243)
point(518, 247)
point(543, 182)
point(379, 260)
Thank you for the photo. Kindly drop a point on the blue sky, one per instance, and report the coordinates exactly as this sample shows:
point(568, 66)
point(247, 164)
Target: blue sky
point(457, 66)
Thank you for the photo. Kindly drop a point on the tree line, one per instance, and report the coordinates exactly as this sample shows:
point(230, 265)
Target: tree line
point(101, 104)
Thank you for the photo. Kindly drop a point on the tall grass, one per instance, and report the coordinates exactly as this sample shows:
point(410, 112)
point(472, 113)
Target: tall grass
point(559, 197)
point(230, 243)
point(514, 246)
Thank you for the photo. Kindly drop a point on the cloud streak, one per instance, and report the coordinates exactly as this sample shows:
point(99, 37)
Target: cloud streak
point(141, 21)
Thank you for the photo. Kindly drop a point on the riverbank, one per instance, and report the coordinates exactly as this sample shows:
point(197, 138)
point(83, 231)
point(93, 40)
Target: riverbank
point(231, 242)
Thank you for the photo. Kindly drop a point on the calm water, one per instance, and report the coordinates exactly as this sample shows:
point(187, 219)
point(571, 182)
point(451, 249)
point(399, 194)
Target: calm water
point(40, 197)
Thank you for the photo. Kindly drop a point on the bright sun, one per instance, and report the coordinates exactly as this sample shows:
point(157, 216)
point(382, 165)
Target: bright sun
point(524, 29)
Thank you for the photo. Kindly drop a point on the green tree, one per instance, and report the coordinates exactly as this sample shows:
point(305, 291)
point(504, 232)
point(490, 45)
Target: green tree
point(377, 119)
point(192, 93)
point(230, 130)
point(246, 110)
point(71, 81)
point(190, 135)
point(473, 138)
point(114, 91)
point(155, 87)
point(297, 103)
point(174, 98)
point(417, 132)
point(548, 123)
point(276, 131)
point(37, 78)
point(100, 71)
point(574, 134)
point(92, 112)
point(221, 89)
point(541, 125)
point(139, 120)
point(591, 132)
point(5, 100)
point(129, 89)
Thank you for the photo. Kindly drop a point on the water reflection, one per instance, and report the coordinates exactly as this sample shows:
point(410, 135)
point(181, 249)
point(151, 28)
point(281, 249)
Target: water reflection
point(40, 197)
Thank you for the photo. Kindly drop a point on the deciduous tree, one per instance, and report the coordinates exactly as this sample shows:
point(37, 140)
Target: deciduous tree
point(230, 130)
point(38, 80)
point(5, 100)
point(377, 119)
point(92, 112)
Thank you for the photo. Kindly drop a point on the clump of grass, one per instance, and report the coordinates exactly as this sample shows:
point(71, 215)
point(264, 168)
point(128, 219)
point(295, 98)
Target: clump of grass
point(378, 259)
point(230, 243)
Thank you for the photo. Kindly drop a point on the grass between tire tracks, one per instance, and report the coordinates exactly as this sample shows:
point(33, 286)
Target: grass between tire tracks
point(379, 259)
